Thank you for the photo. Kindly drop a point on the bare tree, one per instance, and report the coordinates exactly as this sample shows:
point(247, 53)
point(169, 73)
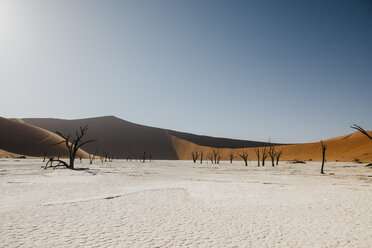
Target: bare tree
point(361, 130)
point(231, 157)
point(272, 154)
point(210, 156)
point(45, 155)
point(92, 157)
point(81, 158)
point(324, 147)
point(265, 153)
point(143, 156)
point(201, 157)
point(219, 158)
point(216, 156)
point(73, 146)
point(244, 156)
point(257, 150)
point(195, 156)
point(278, 155)
point(106, 156)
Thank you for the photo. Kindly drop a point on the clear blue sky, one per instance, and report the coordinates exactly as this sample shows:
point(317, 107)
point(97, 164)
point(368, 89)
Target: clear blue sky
point(295, 71)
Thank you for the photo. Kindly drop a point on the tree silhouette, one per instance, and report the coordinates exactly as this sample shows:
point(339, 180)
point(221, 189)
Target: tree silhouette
point(92, 157)
point(72, 146)
point(324, 148)
point(257, 150)
point(244, 156)
point(231, 157)
point(265, 153)
point(272, 154)
point(278, 155)
point(195, 156)
point(361, 130)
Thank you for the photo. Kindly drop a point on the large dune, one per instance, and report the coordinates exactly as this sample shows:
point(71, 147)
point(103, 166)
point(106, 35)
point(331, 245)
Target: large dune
point(18, 137)
point(345, 148)
point(122, 139)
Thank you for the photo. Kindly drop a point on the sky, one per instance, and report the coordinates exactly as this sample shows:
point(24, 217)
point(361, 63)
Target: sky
point(292, 71)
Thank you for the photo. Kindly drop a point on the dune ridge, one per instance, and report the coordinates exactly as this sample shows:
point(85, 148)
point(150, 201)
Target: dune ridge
point(123, 139)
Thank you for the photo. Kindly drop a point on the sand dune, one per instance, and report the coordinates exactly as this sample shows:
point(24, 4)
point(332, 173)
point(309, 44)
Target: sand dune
point(6, 154)
point(344, 148)
point(118, 137)
point(23, 138)
point(122, 138)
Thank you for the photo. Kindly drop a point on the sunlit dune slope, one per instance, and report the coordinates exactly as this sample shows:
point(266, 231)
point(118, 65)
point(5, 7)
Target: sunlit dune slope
point(23, 138)
point(344, 148)
point(123, 139)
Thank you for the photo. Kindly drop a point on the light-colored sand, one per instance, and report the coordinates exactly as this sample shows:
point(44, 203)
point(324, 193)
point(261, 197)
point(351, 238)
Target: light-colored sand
point(181, 204)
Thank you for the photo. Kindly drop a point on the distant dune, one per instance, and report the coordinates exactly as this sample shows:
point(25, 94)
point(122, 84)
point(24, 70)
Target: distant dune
point(122, 139)
point(345, 148)
point(6, 154)
point(17, 137)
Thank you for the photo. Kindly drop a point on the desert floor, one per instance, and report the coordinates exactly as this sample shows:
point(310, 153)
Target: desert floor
point(181, 204)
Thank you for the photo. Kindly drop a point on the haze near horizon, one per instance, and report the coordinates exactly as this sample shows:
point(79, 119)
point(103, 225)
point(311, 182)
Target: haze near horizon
point(294, 71)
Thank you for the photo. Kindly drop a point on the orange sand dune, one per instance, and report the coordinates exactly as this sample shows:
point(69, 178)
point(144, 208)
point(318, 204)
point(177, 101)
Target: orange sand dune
point(344, 148)
point(122, 139)
point(22, 138)
point(6, 154)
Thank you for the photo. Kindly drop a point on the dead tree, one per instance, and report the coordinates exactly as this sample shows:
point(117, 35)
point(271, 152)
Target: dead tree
point(231, 157)
point(216, 156)
point(45, 155)
point(92, 157)
point(106, 156)
point(219, 158)
point(324, 147)
point(143, 156)
point(195, 156)
point(73, 146)
point(272, 154)
point(210, 156)
point(278, 155)
point(265, 154)
point(60, 163)
point(201, 157)
point(361, 130)
point(257, 150)
point(244, 156)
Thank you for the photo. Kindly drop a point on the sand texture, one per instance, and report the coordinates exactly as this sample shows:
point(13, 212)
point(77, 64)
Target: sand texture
point(181, 204)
